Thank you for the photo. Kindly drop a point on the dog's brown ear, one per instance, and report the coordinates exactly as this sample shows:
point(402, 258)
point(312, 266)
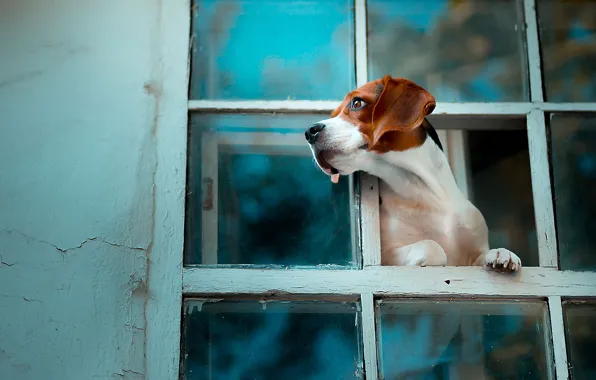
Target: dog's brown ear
point(337, 110)
point(402, 106)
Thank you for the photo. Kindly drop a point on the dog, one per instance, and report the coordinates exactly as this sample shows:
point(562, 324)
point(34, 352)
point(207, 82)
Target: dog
point(381, 128)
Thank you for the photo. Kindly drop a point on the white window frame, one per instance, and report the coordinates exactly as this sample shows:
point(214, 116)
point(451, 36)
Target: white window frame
point(169, 281)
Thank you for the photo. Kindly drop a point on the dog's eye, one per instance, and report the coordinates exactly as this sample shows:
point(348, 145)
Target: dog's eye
point(357, 104)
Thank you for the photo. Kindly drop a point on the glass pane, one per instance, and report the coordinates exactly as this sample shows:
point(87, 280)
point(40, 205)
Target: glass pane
point(462, 340)
point(460, 51)
point(273, 340)
point(501, 188)
point(580, 319)
point(573, 150)
point(257, 197)
point(494, 166)
point(272, 49)
point(568, 48)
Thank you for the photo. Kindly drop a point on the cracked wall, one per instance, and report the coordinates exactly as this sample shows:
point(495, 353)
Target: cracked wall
point(79, 108)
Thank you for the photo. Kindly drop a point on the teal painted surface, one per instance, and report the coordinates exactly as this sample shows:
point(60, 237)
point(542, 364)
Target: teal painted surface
point(78, 98)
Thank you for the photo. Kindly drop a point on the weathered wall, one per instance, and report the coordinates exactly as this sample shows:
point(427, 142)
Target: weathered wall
point(80, 88)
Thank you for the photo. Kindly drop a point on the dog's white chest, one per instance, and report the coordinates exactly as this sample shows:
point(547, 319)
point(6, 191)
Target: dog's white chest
point(457, 228)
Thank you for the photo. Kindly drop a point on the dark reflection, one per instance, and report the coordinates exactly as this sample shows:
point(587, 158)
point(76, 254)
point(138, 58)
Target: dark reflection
point(573, 150)
point(462, 340)
point(501, 187)
point(248, 340)
point(279, 210)
point(268, 203)
point(568, 49)
point(468, 50)
point(580, 319)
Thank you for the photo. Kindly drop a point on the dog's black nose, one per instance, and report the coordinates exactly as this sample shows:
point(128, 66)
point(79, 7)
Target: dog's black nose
point(312, 132)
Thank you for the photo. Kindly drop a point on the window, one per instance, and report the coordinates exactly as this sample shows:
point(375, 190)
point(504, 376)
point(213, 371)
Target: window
point(579, 321)
point(568, 35)
point(262, 200)
point(464, 339)
point(280, 275)
point(573, 150)
point(468, 51)
point(273, 340)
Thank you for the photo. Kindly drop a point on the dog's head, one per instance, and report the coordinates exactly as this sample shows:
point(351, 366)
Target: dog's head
point(381, 116)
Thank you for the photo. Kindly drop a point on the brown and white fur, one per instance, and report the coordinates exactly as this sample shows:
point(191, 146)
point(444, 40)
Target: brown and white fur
point(380, 128)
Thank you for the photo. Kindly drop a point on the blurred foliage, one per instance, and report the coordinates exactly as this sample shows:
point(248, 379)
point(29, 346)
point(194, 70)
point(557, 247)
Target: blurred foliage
point(568, 44)
point(459, 50)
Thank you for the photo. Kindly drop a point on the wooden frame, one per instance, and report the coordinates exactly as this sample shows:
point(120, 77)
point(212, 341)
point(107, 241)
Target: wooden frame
point(169, 281)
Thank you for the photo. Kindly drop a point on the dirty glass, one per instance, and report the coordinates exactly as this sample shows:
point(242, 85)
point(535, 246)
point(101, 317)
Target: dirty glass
point(568, 48)
point(477, 340)
point(580, 319)
point(272, 49)
point(469, 50)
point(573, 159)
point(256, 196)
point(272, 340)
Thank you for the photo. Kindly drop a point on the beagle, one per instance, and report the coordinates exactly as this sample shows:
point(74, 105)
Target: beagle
point(380, 128)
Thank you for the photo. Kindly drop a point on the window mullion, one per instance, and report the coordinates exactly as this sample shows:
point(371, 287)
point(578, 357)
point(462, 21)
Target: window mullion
point(369, 185)
point(541, 189)
point(361, 43)
point(326, 106)
point(369, 339)
point(532, 282)
point(370, 222)
point(533, 45)
point(558, 337)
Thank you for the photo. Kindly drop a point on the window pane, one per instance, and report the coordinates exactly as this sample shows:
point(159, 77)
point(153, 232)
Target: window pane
point(491, 162)
point(568, 39)
point(580, 319)
point(501, 188)
point(462, 340)
point(273, 340)
point(460, 51)
point(256, 49)
point(256, 195)
point(573, 150)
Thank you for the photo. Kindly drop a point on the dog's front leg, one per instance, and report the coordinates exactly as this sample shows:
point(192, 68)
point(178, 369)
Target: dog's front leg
point(421, 254)
point(500, 259)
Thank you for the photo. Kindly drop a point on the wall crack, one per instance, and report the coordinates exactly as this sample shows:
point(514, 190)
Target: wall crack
point(2, 262)
point(67, 250)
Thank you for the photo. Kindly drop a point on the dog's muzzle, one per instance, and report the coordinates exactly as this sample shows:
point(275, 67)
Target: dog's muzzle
point(312, 134)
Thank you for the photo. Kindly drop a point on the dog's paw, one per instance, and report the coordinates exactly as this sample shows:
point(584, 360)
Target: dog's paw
point(425, 253)
point(502, 260)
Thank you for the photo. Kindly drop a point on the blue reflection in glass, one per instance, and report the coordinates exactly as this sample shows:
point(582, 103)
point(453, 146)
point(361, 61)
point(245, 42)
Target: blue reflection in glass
point(247, 340)
point(274, 205)
point(436, 340)
point(272, 49)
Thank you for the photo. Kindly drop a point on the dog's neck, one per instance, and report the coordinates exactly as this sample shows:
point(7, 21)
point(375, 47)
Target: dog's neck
point(422, 173)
